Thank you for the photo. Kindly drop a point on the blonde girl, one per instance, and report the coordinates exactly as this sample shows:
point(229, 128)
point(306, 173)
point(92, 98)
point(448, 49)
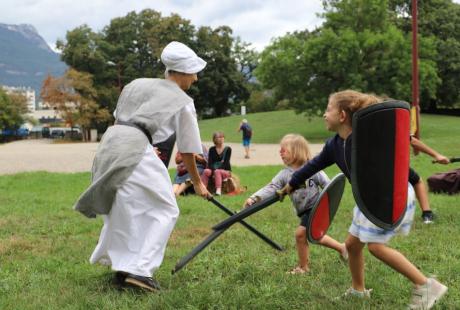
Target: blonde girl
point(295, 152)
point(338, 117)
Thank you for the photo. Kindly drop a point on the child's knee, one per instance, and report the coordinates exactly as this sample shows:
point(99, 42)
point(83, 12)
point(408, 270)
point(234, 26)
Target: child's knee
point(353, 245)
point(207, 172)
point(301, 234)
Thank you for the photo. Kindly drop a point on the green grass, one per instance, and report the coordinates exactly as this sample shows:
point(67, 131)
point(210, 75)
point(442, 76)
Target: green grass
point(45, 247)
point(268, 127)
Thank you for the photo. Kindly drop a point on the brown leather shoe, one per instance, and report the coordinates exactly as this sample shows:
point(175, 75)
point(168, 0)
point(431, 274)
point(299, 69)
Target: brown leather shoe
point(145, 283)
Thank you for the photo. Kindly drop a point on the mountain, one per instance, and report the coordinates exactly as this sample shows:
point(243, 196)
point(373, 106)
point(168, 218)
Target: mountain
point(25, 57)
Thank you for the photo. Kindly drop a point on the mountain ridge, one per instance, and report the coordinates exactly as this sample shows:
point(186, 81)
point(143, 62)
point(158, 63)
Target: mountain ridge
point(25, 57)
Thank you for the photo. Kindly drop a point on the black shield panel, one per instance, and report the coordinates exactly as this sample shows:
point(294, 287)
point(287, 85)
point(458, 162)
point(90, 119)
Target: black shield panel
point(380, 161)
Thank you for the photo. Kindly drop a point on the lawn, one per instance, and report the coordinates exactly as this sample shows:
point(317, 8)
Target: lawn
point(268, 127)
point(45, 247)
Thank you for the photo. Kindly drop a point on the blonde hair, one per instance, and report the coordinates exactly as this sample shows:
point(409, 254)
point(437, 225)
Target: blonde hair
point(298, 147)
point(351, 101)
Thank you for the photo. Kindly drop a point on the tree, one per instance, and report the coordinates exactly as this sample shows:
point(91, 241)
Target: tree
point(220, 86)
point(130, 47)
point(439, 19)
point(13, 108)
point(73, 95)
point(357, 48)
point(246, 59)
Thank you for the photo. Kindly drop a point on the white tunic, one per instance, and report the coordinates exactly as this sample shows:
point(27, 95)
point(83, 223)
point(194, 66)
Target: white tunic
point(144, 211)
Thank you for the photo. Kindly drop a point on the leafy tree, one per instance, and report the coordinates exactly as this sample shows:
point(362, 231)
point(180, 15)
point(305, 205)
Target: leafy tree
point(439, 19)
point(130, 47)
point(73, 95)
point(246, 59)
point(357, 48)
point(220, 86)
point(13, 108)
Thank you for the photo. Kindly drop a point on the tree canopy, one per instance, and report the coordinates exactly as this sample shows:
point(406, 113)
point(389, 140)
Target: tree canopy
point(13, 108)
point(130, 47)
point(73, 95)
point(357, 47)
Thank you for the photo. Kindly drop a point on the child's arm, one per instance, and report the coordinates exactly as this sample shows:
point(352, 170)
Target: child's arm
point(277, 183)
point(422, 147)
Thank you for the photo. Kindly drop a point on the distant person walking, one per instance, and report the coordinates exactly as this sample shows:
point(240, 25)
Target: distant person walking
point(246, 129)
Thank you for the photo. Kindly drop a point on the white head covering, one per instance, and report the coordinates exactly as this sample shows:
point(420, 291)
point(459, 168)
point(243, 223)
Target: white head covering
point(179, 57)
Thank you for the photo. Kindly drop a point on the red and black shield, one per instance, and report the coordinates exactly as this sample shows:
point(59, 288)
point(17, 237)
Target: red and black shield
point(380, 161)
point(324, 209)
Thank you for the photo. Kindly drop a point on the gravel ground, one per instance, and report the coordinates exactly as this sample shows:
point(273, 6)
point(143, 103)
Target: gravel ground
point(44, 155)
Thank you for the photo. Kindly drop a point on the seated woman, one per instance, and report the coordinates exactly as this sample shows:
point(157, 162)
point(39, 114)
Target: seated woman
point(218, 162)
point(182, 179)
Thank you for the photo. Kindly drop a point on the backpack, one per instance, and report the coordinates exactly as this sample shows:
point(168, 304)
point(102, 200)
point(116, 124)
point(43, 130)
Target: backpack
point(448, 182)
point(247, 130)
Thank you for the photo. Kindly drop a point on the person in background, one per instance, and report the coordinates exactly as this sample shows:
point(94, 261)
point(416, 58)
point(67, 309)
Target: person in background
point(421, 191)
point(246, 130)
point(182, 179)
point(218, 163)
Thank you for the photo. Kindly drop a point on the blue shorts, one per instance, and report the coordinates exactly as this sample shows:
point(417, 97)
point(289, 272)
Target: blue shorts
point(246, 141)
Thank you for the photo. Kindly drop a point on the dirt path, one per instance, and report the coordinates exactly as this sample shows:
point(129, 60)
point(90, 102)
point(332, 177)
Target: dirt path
point(44, 155)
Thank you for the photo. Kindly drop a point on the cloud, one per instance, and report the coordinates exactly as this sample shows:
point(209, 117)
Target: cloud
point(255, 22)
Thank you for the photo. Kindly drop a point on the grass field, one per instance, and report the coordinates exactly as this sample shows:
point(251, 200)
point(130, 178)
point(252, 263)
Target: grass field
point(45, 246)
point(268, 127)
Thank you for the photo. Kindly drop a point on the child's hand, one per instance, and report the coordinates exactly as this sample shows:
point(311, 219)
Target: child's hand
point(286, 190)
point(440, 159)
point(249, 202)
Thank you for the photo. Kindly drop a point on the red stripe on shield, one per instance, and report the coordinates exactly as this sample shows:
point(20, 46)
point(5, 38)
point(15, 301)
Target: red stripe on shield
point(320, 222)
point(401, 160)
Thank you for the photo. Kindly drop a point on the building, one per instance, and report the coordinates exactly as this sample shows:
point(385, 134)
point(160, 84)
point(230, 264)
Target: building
point(28, 92)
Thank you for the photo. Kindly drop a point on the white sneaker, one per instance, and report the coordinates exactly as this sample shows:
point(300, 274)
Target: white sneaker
point(425, 296)
point(360, 294)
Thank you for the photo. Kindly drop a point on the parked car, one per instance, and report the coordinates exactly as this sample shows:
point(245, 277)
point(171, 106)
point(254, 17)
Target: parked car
point(57, 133)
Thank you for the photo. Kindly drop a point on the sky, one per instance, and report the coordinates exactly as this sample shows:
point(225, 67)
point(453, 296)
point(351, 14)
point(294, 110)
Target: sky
point(255, 21)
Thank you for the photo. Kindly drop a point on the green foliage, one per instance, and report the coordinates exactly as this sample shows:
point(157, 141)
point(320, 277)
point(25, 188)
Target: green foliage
point(130, 47)
point(13, 107)
point(220, 86)
point(73, 95)
point(440, 20)
point(357, 48)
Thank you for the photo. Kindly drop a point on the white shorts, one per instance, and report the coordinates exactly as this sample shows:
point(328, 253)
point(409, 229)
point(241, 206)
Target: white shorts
point(367, 232)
